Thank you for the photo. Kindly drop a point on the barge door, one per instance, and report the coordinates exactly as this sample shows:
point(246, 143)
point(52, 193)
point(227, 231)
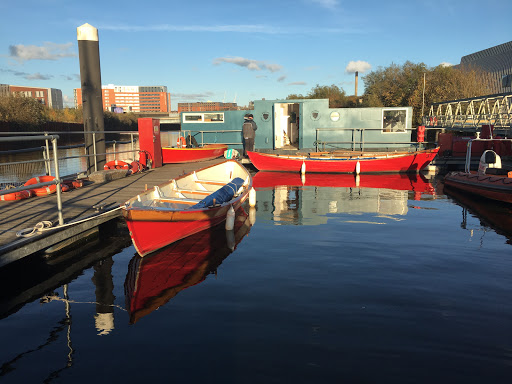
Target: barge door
point(286, 126)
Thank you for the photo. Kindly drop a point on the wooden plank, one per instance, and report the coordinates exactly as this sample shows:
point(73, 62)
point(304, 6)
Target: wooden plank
point(79, 203)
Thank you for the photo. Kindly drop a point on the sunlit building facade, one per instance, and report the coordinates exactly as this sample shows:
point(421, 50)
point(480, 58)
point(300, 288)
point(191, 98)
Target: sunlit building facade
point(137, 99)
point(50, 97)
point(206, 106)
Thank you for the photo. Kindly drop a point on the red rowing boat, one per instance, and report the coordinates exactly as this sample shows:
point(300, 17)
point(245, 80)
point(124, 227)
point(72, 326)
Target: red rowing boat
point(344, 162)
point(491, 181)
point(154, 280)
point(189, 155)
point(185, 205)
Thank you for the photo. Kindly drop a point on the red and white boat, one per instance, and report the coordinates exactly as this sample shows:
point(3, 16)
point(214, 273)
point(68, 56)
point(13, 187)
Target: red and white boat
point(344, 162)
point(490, 181)
point(185, 205)
point(172, 155)
point(154, 280)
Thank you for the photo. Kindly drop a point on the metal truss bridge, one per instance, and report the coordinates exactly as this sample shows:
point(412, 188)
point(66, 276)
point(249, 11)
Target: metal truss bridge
point(471, 114)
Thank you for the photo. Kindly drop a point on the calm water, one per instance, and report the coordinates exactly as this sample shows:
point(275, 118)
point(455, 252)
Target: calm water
point(348, 283)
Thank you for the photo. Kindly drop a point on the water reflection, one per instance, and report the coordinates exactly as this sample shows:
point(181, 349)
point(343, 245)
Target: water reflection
point(153, 280)
point(309, 199)
point(491, 214)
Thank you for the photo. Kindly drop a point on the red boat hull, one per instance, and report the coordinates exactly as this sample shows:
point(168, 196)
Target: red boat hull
point(409, 162)
point(404, 182)
point(154, 280)
point(190, 155)
point(488, 186)
point(151, 235)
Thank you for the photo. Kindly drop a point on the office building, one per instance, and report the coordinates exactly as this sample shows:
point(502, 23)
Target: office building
point(50, 97)
point(137, 99)
point(206, 106)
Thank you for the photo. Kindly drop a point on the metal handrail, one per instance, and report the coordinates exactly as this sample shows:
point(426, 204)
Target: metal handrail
point(57, 179)
point(362, 142)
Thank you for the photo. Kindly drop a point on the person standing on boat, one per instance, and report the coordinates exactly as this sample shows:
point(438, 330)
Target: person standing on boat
point(248, 133)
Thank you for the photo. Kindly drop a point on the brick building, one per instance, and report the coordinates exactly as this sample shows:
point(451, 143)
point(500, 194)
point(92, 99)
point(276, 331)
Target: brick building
point(206, 106)
point(137, 99)
point(50, 97)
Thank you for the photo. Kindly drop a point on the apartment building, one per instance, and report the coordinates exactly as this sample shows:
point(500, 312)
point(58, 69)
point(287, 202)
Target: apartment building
point(137, 99)
point(50, 97)
point(206, 106)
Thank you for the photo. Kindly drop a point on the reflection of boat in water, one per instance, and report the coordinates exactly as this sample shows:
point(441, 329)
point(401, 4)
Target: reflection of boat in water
point(402, 181)
point(291, 198)
point(189, 155)
point(493, 214)
point(155, 279)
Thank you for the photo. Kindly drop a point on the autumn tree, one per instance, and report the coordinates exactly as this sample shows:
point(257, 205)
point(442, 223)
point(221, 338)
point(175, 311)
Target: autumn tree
point(336, 95)
point(402, 85)
point(23, 111)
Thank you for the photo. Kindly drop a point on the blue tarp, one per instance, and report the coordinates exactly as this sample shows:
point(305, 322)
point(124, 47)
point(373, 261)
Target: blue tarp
point(221, 195)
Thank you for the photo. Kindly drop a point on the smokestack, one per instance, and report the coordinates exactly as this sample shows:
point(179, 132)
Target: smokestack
point(357, 78)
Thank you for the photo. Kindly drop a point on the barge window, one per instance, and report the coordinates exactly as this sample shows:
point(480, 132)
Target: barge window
point(203, 117)
point(394, 120)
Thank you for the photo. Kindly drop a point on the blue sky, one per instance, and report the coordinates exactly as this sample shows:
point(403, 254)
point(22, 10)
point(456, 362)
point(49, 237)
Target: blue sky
point(240, 50)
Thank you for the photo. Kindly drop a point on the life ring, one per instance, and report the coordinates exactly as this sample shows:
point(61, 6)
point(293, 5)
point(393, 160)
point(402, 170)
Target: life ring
point(181, 142)
point(64, 187)
point(16, 195)
point(116, 164)
point(43, 191)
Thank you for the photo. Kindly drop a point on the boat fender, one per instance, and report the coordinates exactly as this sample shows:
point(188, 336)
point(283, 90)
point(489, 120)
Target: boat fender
point(230, 219)
point(358, 168)
point(303, 168)
point(252, 198)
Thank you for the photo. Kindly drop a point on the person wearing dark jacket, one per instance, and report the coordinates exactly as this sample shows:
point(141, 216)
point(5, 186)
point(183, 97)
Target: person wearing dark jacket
point(248, 133)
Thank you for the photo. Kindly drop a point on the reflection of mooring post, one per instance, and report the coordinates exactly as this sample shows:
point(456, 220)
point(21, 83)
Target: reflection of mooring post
point(104, 283)
point(92, 104)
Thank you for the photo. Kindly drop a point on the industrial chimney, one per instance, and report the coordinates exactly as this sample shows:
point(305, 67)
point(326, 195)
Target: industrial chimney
point(357, 77)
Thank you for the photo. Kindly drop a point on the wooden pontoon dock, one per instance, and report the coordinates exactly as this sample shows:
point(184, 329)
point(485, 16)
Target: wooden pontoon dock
point(94, 199)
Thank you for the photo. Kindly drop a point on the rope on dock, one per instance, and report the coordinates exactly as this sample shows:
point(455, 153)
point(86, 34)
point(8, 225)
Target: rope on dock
point(48, 225)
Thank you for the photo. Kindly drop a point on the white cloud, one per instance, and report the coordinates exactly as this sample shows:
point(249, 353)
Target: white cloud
point(281, 78)
point(38, 76)
point(49, 51)
point(251, 65)
point(444, 64)
point(329, 4)
point(192, 96)
point(298, 83)
point(235, 28)
point(358, 66)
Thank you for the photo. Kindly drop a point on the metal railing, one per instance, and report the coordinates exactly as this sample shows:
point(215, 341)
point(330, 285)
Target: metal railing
point(470, 114)
point(185, 133)
point(361, 142)
point(57, 181)
point(46, 149)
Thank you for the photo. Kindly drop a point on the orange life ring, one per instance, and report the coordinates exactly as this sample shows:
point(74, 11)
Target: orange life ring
point(116, 164)
point(16, 195)
point(43, 191)
point(182, 143)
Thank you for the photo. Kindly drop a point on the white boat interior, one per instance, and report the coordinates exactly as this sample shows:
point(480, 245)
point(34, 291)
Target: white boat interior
point(188, 190)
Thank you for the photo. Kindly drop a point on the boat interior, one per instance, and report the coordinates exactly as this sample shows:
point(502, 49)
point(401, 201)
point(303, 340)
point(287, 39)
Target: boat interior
point(187, 191)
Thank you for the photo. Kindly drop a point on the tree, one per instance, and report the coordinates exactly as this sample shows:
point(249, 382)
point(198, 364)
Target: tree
point(336, 95)
point(21, 110)
point(401, 86)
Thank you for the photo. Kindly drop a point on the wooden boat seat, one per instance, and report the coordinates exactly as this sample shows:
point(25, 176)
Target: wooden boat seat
point(210, 182)
point(178, 200)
